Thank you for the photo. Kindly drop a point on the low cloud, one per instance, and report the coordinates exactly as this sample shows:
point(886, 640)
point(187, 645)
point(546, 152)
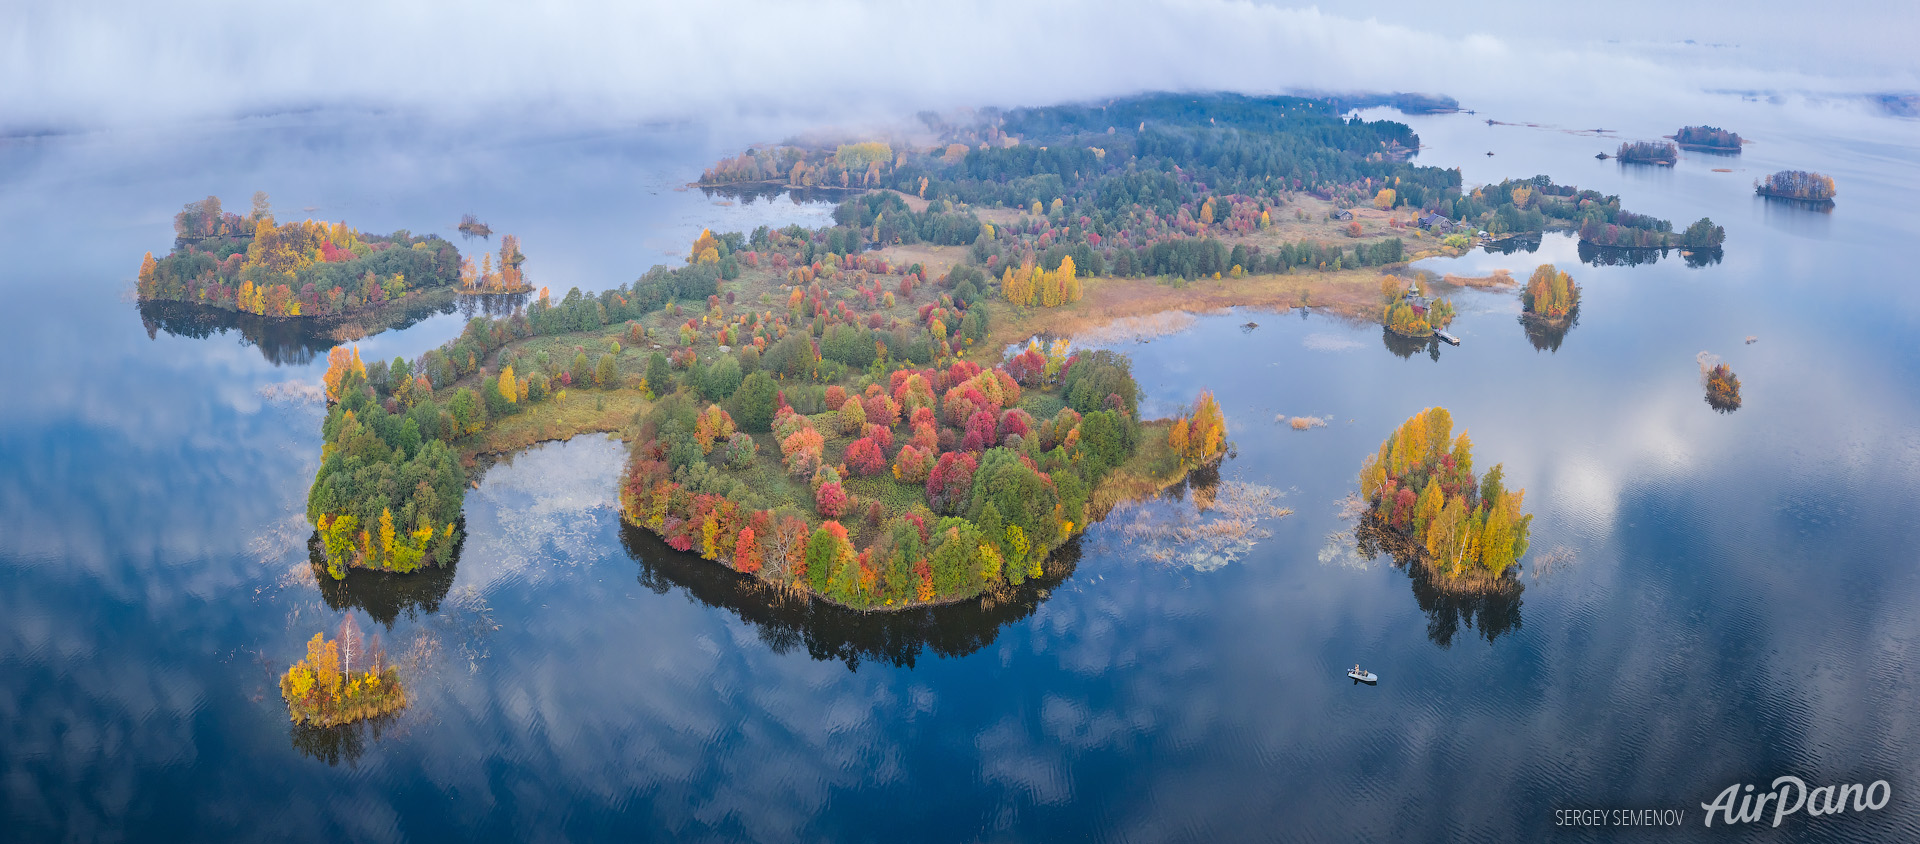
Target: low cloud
point(118, 62)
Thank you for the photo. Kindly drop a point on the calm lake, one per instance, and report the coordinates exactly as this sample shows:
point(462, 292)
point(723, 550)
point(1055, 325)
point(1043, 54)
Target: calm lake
point(1709, 599)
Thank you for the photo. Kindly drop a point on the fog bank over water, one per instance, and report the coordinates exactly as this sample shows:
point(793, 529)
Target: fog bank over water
point(121, 63)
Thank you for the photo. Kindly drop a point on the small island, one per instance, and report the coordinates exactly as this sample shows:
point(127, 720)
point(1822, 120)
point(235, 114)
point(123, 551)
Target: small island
point(1707, 139)
point(1467, 533)
point(1550, 297)
point(250, 263)
point(1648, 152)
point(509, 278)
point(471, 227)
point(324, 690)
point(1797, 184)
point(1723, 388)
point(1409, 312)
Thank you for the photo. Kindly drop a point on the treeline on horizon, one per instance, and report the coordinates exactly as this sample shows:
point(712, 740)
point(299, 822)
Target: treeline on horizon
point(1124, 188)
point(251, 263)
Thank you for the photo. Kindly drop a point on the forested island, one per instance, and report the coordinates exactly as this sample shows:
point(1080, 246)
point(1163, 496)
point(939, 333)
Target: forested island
point(1707, 138)
point(1723, 387)
point(1797, 184)
point(1409, 312)
point(1550, 297)
point(1425, 501)
point(1648, 152)
point(508, 278)
point(326, 690)
point(250, 263)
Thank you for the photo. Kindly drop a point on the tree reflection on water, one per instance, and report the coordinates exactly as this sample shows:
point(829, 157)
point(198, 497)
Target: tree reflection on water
point(286, 341)
point(828, 632)
point(1493, 611)
point(342, 743)
point(383, 595)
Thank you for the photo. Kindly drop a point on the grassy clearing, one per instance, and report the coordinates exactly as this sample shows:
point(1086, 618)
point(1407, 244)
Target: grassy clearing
point(559, 418)
point(1153, 468)
point(1353, 293)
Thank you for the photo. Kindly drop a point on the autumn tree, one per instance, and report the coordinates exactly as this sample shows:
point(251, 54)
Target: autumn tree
point(509, 387)
point(1550, 294)
point(343, 365)
point(606, 374)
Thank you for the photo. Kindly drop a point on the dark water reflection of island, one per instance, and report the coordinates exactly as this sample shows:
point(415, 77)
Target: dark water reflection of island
point(384, 596)
point(1493, 613)
point(1406, 347)
point(746, 193)
point(827, 632)
point(341, 743)
point(1546, 335)
point(283, 342)
point(492, 304)
point(1623, 256)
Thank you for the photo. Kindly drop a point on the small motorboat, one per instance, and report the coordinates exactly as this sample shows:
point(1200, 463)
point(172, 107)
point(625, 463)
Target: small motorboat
point(1363, 676)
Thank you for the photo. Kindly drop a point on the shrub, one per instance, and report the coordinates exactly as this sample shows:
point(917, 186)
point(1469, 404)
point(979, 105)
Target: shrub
point(864, 458)
point(831, 501)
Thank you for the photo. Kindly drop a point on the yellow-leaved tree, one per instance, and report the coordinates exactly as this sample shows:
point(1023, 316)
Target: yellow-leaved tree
point(342, 362)
point(509, 387)
point(706, 249)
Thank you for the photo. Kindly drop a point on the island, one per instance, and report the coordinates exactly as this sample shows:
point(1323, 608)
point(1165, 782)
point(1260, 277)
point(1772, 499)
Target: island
point(251, 264)
point(1799, 185)
point(1426, 506)
point(471, 227)
point(1522, 206)
point(509, 278)
point(1723, 388)
point(1409, 312)
point(324, 690)
point(1550, 297)
point(1648, 152)
point(1707, 139)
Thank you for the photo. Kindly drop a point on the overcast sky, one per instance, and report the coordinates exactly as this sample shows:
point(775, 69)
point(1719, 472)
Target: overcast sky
point(83, 63)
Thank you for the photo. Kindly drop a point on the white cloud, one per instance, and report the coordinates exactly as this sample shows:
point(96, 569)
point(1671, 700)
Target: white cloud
point(114, 62)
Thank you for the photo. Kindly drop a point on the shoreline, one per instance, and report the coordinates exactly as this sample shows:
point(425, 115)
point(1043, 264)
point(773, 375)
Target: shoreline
point(1407, 554)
